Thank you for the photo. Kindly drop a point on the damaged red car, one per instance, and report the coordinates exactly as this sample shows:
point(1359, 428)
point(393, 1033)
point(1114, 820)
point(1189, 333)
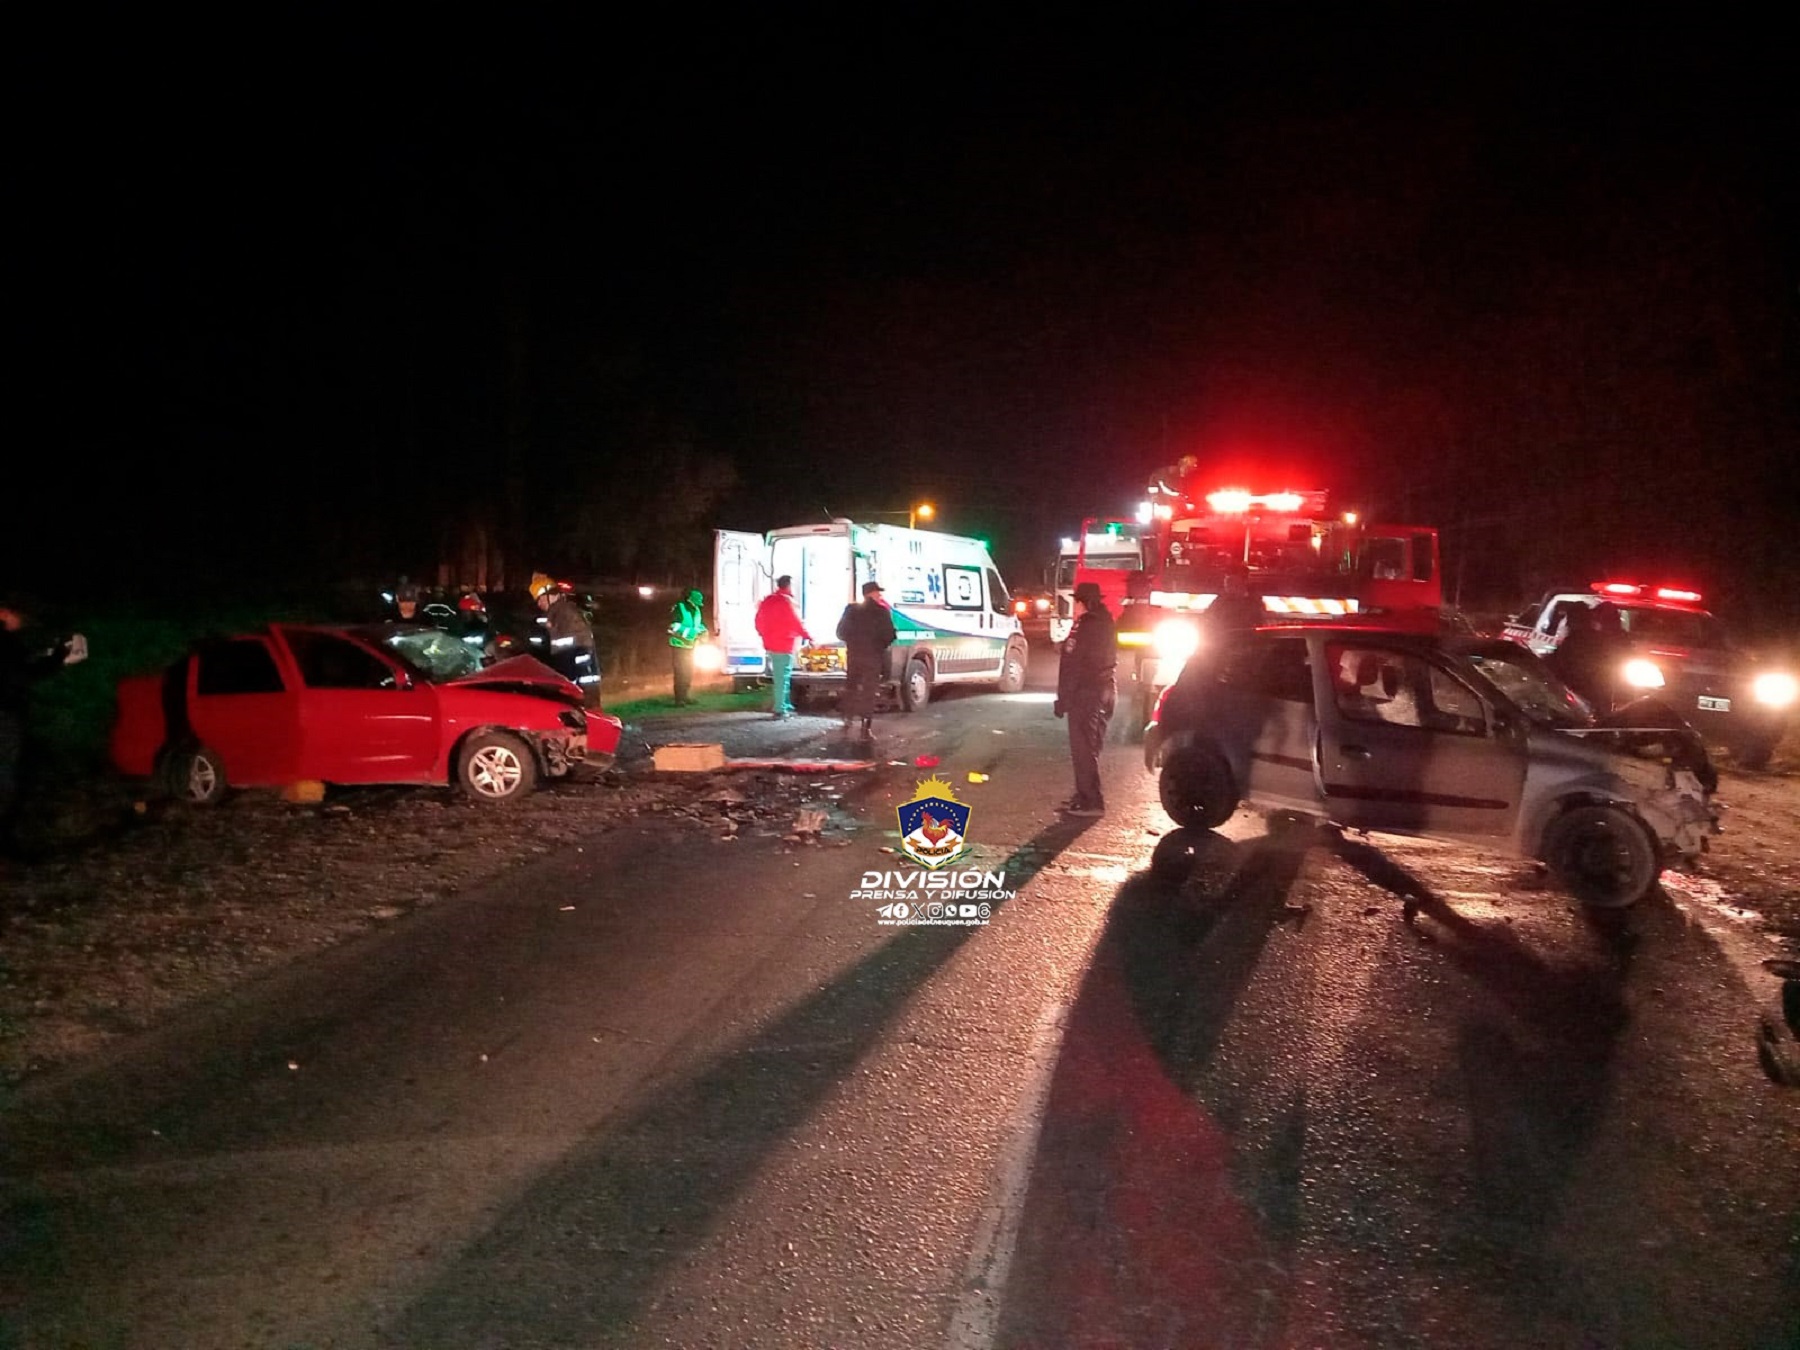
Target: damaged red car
point(387, 704)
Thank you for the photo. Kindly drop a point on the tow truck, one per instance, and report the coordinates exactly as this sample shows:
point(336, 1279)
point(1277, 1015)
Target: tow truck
point(1300, 559)
point(1681, 654)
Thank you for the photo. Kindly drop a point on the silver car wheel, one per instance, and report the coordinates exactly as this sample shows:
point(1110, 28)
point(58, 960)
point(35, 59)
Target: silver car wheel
point(495, 771)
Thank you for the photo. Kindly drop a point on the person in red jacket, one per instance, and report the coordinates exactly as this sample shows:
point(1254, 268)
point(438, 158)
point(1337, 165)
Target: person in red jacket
point(780, 627)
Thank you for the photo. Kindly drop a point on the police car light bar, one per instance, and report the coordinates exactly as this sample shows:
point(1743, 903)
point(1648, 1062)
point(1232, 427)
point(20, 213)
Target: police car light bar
point(1661, 592)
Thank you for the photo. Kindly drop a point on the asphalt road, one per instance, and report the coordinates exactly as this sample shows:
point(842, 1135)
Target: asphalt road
point(670, 1089)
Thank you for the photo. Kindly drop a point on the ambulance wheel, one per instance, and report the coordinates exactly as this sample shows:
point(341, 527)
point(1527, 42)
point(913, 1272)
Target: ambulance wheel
point(915, 685)
point(1603, 855)
point(1012, 674)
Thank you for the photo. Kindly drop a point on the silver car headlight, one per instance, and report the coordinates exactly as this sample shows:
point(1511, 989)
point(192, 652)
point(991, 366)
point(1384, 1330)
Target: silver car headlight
point(1774, 689)
point(1642, 674)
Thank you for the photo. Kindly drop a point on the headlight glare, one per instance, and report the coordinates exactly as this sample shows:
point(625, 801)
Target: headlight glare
point(1642, 674)
point(1176, 639)
point(1774, 688)
point(709, 657)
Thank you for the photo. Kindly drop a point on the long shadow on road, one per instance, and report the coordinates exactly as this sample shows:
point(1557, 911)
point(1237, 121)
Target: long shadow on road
point(1133, 1232)
point(574, 1259)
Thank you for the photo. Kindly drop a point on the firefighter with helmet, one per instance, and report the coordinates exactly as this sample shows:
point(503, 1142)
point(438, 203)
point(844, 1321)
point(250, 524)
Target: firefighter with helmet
point(573, 652)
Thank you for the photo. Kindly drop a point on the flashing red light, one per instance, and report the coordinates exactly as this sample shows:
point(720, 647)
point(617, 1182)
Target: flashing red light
point(1229, 501)
point(1283, 501)
point(1667, 593)
point(1617, 588)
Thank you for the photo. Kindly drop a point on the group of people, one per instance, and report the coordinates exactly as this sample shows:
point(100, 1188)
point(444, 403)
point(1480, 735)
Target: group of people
point(866, 629)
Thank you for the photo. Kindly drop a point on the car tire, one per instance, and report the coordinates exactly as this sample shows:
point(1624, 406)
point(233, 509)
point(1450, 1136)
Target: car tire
point(1012, 674)
point(194, 774)
point(496, 766)
point(1197, 788)
point(1603, 855)
point(1755, 754)
point(915, 684)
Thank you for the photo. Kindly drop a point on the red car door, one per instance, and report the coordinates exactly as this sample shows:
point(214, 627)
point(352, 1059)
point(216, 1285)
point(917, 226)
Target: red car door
point(240, 707)
point(363, 718)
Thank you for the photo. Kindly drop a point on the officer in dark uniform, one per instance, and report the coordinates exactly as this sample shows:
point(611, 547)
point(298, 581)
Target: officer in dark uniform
point(1591, 659)
point(1085, 694)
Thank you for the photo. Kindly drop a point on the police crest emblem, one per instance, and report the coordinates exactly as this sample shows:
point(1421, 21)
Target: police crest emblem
point(934, 826)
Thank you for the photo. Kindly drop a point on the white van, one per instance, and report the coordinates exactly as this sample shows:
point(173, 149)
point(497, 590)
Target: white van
point(951, 609)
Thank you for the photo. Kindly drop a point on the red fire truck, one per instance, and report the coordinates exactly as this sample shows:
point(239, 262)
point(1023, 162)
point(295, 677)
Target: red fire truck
point(1300, 559)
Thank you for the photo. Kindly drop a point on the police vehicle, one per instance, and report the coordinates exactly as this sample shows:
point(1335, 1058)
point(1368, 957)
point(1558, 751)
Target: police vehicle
point(1681, 653)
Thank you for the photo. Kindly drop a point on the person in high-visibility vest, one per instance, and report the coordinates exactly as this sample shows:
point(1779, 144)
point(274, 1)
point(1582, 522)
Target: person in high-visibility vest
point(686, 627)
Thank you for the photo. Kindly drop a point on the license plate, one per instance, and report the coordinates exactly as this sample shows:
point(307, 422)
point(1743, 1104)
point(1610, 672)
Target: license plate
point(1708, 704)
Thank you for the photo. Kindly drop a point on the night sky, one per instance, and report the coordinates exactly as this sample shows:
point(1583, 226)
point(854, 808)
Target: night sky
point(300, 291)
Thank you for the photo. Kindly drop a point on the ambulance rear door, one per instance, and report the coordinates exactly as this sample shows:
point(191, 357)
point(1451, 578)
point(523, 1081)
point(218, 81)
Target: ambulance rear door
point(741, 579)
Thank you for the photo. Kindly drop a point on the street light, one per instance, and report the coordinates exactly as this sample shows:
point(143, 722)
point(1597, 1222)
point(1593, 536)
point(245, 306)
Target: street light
point(923, 511)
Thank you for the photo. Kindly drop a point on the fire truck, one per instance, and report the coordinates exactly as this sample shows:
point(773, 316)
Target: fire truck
point(1302, 561)
point(1107, 553)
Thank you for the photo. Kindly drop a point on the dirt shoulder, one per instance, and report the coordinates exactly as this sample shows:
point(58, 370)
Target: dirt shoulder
point(181, 904)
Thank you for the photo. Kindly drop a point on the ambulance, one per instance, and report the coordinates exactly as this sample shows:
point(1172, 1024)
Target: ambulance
point(953, 613)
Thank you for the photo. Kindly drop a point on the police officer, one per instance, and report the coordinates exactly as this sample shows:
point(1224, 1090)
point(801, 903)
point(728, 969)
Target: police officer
point(1085, 694)
point(867, 631)
point(1591, 659)
point(687, 625)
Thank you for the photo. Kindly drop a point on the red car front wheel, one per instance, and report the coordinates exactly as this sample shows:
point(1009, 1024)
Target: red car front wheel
point(496, 767)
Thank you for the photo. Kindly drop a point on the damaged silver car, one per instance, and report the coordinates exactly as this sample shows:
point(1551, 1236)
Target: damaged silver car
point(1452, 737)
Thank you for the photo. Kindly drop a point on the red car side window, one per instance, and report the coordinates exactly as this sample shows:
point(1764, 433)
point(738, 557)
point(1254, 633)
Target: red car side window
point(238, 666)
point(331, 662)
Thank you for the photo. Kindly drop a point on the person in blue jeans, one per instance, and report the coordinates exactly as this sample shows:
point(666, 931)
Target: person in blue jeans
point(779, 625)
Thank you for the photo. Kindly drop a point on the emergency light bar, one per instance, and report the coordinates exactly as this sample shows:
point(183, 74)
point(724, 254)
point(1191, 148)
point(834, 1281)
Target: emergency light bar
point(1624, 588)
point(1236, 501)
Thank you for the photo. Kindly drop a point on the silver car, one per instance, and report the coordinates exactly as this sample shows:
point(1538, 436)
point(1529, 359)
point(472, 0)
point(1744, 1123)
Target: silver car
point(1455, 737)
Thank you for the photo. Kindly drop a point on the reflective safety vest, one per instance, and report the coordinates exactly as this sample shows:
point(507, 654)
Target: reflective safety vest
point(688, 625)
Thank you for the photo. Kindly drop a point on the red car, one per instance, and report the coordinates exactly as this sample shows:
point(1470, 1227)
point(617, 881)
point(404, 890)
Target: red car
point(393, 704)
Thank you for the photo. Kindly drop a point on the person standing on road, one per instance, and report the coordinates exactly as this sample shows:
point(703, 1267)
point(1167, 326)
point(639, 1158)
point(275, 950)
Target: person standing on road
point(573, 651)
point(779, 625)
point(1085, 694)
point(20, 665)
point(867, 631)
point(687, 625)
point(1591, 659)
